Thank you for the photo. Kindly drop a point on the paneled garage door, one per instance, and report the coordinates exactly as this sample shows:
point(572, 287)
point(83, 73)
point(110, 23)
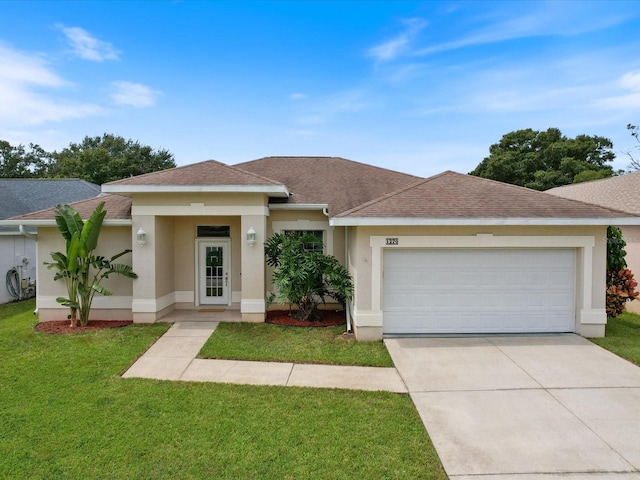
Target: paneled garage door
point(444, 291)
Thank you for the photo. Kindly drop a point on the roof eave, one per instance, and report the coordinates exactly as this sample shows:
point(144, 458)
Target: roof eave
point(298, 206)
point(271, 190)
point(517, 221)
point(50, 222)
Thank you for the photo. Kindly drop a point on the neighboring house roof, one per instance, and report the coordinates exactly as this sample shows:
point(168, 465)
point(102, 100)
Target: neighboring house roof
point(118, 207)
point(338, 182)
point(621, 193)
point(205, 176)
point(450, 197)
point(24, 195)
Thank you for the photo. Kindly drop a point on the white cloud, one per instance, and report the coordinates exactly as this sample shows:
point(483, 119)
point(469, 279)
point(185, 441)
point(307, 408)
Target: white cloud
point(348, 101)
point(298, 96)
point(25, 80)
point(134, 94)
point(629, 98)
point(86, 46)
point(394, 47)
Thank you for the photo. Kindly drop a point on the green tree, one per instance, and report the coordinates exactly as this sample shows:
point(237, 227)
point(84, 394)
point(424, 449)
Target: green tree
point(545, 159)
point(105, 159)
point(21, 162)
point(304, 276)
point(82, 270)
point(621, 285)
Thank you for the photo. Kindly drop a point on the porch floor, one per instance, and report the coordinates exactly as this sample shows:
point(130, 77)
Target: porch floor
point(180, 315)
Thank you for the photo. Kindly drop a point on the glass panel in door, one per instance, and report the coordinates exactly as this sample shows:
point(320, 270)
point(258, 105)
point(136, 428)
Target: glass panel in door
point(214, 275)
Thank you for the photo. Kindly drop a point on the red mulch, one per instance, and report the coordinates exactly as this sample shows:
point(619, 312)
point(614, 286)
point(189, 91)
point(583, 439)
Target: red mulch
point(64, 326)
point(330, 318)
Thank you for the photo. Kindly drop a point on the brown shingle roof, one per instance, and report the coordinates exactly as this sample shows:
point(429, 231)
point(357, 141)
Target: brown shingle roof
point(621, 193)
point(210, 172)
point(341, 183)
point(454, 195)
point(118, 207)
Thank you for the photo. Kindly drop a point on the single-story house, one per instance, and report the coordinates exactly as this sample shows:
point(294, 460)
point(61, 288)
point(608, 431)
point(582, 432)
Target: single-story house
point(620, 193)
point(449, 254)
point(17, 246)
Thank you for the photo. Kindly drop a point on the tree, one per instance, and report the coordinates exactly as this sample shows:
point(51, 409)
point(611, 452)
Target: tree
point(105, 159)
point(82, 270)
point(635, 133)
point(20, 162)
point(620, 282)
point(543, 160)
point(305, 277)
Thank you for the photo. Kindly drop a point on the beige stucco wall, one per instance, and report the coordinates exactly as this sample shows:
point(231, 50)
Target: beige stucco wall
point(361, 263)
point(118, 306)
point(631, 235)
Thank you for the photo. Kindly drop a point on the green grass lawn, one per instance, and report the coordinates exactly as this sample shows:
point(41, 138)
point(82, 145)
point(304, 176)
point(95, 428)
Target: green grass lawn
point(622, 337)
point(267, 342)
point(65, 413)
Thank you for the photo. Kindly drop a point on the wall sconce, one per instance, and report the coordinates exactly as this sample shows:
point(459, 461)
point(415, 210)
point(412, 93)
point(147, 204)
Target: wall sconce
point(141, 237)
point(251, 237)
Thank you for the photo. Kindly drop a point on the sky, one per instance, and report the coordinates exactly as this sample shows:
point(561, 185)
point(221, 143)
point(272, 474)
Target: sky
point(419, 87)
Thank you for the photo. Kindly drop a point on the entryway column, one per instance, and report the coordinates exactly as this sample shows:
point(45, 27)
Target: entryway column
point(144, 265)
point(252, 273)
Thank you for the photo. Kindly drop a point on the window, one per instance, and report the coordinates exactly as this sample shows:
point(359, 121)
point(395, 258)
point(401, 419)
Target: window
point(312, 246)
point(213, 231)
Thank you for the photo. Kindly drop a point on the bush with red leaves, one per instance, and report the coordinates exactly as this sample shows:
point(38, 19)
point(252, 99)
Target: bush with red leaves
point(621, 288)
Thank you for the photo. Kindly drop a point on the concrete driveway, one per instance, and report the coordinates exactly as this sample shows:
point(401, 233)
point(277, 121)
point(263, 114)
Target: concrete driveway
point(525, 407)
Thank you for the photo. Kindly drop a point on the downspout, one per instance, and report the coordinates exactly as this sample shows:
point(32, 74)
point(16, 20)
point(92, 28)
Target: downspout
point(346, 260)
point(24, 233)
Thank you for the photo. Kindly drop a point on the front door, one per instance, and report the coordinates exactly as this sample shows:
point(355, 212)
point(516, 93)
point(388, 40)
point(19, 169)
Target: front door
point(213, 266)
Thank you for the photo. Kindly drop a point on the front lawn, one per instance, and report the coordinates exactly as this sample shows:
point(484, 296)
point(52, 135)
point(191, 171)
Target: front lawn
point(622, 337)
point(65, 412)
point(275, 343)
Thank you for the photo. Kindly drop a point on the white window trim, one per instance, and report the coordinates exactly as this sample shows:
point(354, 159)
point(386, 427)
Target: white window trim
point(281, 227)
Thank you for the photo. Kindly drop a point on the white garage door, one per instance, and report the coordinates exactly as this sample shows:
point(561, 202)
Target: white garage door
point(478, 291)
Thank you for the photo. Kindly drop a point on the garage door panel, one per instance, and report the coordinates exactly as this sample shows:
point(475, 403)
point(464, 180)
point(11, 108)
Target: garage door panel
point(478, 291)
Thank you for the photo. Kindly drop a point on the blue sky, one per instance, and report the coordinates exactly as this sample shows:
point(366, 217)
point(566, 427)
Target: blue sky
point(419, 87)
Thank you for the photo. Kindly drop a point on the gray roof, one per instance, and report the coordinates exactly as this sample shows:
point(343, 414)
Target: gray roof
point(24, 195)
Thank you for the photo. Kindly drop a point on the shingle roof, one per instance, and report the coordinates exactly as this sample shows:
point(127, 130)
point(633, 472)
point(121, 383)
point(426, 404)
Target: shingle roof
point(23, 195)
point(621, 193)
point(118, 207)
point(454, 195)
point(341, 183)
point(210, 172)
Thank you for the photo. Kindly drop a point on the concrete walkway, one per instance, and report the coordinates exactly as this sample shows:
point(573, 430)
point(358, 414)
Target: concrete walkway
point(173, 357)
point(525, 407)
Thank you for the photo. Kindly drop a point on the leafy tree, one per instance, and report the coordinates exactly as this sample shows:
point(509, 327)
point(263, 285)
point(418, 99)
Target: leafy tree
point(547, 159)
point(306, 277)
point(635, 133)
point(82, 270)
point(104, 159)
point(20, 162)
point(620, 282)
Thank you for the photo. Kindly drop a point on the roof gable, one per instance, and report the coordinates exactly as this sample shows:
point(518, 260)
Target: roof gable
point(452, 195)
point(338, 182)
point(209, 175)
point(621, 192)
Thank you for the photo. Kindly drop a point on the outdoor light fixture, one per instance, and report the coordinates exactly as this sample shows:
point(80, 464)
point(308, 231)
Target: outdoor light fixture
point(251, 237)
point(141, 237)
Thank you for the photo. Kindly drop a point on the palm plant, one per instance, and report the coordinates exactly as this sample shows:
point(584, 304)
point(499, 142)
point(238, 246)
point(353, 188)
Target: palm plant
point(82, 270)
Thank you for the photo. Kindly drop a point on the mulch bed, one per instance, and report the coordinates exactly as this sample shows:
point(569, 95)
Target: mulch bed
point(64, 326)
point(331, 318)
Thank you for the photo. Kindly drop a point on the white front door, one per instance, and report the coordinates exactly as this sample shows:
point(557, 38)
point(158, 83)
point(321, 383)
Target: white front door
point(213, 276)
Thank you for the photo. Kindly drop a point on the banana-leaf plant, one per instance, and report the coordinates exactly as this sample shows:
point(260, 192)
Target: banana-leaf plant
point(82, 270)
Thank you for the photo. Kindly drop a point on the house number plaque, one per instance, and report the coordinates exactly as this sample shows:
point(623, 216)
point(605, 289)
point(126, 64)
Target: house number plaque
point(393, 241)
